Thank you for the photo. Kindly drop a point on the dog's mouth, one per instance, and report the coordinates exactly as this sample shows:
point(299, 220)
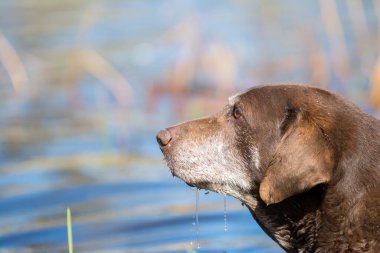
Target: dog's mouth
point(191, 185)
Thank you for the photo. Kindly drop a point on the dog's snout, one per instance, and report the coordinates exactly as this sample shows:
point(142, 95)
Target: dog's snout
point(164, 137)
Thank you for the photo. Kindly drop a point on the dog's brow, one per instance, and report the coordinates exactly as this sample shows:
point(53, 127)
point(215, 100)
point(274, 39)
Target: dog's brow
point(232, 99)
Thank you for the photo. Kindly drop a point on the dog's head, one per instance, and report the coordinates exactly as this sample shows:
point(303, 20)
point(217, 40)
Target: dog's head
point(271, 142)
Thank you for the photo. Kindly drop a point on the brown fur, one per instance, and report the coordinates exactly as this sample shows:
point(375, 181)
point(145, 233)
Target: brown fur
point(304, 161)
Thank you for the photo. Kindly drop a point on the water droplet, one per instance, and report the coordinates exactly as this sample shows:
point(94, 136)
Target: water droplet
point(225, 213)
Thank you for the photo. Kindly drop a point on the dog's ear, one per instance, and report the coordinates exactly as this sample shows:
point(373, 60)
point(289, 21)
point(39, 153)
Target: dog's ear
point(303, 159)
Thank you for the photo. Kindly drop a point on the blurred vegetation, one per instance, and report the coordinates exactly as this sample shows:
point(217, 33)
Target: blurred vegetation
point(91, 54)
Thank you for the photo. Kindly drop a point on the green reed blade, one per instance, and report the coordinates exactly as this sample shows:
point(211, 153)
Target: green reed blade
point(69, 231)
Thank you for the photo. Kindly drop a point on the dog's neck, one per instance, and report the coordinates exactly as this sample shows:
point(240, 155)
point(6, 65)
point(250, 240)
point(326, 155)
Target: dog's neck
point(293, 223)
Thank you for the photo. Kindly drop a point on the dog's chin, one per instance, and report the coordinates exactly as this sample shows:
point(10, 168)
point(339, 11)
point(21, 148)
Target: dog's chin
point(200, 184)
point(218, 188)
point(194, 184)
point(210, 183)
point(244, 195)
point(222, 188)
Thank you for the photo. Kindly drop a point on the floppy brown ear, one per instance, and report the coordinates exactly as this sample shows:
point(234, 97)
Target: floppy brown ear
point(303, 159)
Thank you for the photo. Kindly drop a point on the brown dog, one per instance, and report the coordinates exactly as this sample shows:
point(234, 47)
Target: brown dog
point(303, 160)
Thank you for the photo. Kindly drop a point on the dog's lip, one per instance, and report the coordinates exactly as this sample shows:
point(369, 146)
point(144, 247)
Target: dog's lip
point(199, 185)
point(173, 173)
point(191, 185)
point(207, 185)
point(165, 148)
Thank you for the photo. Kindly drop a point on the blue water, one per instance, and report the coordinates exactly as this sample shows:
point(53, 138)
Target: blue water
point(123, 216)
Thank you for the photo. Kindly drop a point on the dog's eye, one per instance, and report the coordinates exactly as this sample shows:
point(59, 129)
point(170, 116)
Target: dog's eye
point(236, 113)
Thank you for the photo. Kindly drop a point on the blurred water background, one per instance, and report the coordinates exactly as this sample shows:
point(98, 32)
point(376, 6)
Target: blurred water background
point(85, 86)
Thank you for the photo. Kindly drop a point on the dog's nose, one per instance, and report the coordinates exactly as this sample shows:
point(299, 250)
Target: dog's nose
point(164, 137)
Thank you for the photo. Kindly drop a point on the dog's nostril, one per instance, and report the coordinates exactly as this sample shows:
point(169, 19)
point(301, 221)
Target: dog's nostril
point(164, 137)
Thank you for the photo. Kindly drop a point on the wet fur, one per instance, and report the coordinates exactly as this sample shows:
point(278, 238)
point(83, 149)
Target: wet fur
point(304, 161)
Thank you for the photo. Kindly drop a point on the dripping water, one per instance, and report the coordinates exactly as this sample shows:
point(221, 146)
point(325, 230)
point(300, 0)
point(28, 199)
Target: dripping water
point(225, 212)
point(196, 219)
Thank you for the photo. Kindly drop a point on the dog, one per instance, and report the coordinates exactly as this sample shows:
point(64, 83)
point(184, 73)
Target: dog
point(303, 160)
